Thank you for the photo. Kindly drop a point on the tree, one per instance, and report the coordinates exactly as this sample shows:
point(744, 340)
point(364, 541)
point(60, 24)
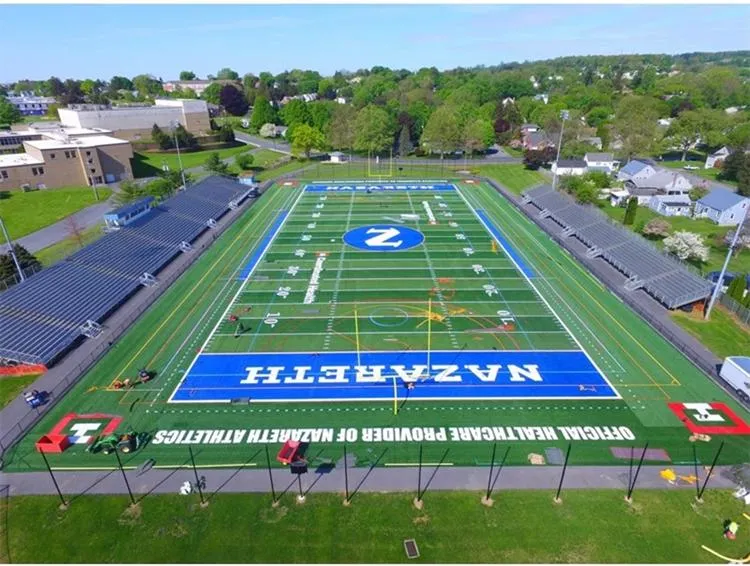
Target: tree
point(442, 133)
point(535, 158)
point(630, 212)
point(732, 165)
point(478, 135)
point(739, 137)
point(215, 164)
point(53, 87)
point(743, 240)
point(736, 289)
point(120, 83)
point(226, 133)
point(227, 74)
point(685, 131)
point(158, 136)
point(244, 161)
point(306, 138)
point(374, 130)
point(598, 116)
point(185, 138)
point(340, 129)
point(212, 93)
point(405, 147)
point(9, 114)
point(147, 85)
point(295, 113)
point(268, 130)
point(263, 113)
point(233, 100)
point(187, 76)
point(636, 125)
point(129, 191)
point(26, 260)
point(743, 177)
point(687, 246)
point(51, 111)
point(657, 228)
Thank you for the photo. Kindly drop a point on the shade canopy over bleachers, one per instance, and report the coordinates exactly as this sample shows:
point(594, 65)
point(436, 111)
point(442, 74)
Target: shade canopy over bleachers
point(663, 277)
point(43, 316)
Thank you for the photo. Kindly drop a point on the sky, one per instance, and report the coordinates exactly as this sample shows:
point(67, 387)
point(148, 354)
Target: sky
point(99, 41)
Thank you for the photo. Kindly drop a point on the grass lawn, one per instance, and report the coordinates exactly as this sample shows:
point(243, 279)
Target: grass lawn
point(515, 176)
point(709, 174)
point(594, 526)
point(149, 164)
point(722, 334)
point(24, 213)
point(512, 151)
point(265, 157)
point(713, 236)
point(56, 252)
point(11, 387)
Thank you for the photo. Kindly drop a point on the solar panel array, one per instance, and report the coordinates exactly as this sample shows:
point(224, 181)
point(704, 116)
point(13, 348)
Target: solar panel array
point(663, 277)
point(42, 317)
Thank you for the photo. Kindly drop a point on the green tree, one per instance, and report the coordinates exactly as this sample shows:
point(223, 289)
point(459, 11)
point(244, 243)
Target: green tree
point(212, 93)
point(736, 289)
point(442, 133)
point(227, 74)
point(215, 164)
point(244, 161)
point(295, 112)
point(340, 130)
point(129, 191)
point(743, 177)
point(263, 113)
point(598, 116)
point(405, 147)
point(119, 83)
point(233, 101)
point(630, 212)
point(478, 135)
point(147, 85)
point(306, 138)
point(636, 125)
point(226, 133)
point(158, 136)
point(374, 130)
point(739, 137)
point(187, 76)
point(732, 165)
point(9, 114)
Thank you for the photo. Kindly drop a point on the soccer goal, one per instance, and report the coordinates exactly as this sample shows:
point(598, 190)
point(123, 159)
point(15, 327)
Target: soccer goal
point(380, 167)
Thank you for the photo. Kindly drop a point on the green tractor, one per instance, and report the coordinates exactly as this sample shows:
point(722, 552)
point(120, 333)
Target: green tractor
point(125, 443)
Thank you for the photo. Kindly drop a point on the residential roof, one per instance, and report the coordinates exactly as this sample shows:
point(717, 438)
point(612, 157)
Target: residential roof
point(71, 143)
point(642, 192)
point(719, 199)
point(659, 180)
point(524, 126)
point(634, 167)
point(535, 138)
point(599, 157)
point(674, 200)
point(16, 159)
point(572, 163)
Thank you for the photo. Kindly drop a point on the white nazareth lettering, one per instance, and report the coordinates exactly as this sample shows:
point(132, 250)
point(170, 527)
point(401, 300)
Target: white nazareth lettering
point(440, 373)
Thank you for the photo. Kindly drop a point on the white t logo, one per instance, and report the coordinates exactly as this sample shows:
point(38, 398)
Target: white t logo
point(80, 431)
point(703, 413)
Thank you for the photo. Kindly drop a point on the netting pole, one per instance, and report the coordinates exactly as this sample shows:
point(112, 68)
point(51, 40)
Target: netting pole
point(695, 464)
point(124, 477)
point(492, 468)
point(63, 503)
point(197, 480)
point(346, 479)
point(418, 500)
point(562, 475)
point(631, 487)
point(270, 476)
point(710, 471)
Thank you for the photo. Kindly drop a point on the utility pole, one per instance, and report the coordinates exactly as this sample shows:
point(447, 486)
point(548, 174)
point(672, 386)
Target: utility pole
point(720, 281)
point(564, 115)
point(12, 251)
point(175, 124)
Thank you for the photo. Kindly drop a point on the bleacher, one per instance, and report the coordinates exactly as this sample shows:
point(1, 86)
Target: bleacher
point(43, 316)
point(663, 277)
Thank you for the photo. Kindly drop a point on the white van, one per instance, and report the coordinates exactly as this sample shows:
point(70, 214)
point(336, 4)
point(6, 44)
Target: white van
point(736, 372)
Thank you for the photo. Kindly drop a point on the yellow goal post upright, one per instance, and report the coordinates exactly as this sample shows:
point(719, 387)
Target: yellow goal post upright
point(377, 174)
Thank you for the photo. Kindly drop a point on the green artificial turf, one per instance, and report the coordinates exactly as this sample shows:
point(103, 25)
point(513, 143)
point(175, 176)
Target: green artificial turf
point(24, 213)
point(589, 526)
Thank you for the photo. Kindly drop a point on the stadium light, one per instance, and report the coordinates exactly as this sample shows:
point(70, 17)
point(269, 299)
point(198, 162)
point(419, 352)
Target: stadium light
point(11, 251)
point(564, 114)
point(174, 125)
point(720, 280)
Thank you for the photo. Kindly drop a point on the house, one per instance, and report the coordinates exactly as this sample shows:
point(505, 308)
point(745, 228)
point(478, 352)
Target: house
point(643, 196)
point(537, 141)
point(338, 157)
point(664, 122)
point(593, 140)
point(30, 105)
point(543, 97)
point(665, 182)
point(604, 162)
point(635, 170)
point(569, 167)
point(341, 100)
point(723, 207)
point(717, 158)
point(508, 100)
point(670, 205)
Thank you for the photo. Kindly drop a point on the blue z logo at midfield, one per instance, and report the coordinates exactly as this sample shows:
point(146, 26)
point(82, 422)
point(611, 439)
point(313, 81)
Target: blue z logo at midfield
point(383, 238)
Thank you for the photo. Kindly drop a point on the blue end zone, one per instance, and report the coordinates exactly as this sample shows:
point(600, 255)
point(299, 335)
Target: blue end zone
point(464, 375)
point(264, 243)
point(366, 186)
point(504, 243)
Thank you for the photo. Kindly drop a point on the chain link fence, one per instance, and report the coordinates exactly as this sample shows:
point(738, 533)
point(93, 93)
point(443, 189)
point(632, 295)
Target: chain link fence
point(742, 313)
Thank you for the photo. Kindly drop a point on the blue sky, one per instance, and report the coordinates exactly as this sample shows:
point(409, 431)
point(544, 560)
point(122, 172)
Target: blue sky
point(98, 41)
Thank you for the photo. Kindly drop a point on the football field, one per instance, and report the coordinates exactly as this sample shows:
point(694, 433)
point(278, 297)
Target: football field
point(388, 316)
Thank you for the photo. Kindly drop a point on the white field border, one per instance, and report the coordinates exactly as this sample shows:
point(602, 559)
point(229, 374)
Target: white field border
point(237, 294)
point(544, 300)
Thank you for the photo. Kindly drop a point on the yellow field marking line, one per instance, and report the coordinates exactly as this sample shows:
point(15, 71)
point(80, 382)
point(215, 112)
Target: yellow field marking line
point(675, 381)
point(730, 560)
point(188, 295)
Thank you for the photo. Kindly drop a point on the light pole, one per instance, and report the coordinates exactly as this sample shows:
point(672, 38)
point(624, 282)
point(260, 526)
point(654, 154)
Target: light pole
point(564, 115)
point(720, 281)
point(11, 251)
point(174, 125)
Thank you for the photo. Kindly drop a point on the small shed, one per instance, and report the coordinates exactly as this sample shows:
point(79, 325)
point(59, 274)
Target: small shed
point(338, 157)
point(128, 213)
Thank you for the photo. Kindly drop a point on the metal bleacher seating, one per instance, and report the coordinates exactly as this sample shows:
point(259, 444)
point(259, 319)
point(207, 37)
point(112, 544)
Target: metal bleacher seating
point(43, 316)
point(663, 277)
